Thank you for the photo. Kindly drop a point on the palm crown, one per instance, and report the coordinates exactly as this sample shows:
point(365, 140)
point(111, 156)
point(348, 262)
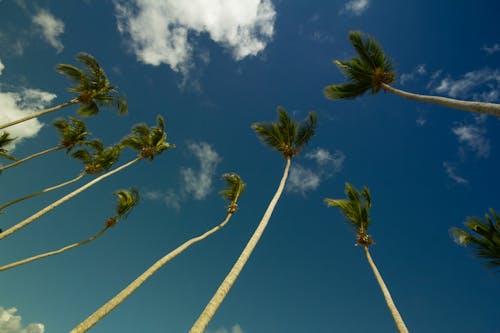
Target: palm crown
point(368, 71)
point(235, 187)
point(5, 139)
point(483, 236)
point(356, 209)
point(92, 86)
point(72, 133)
point(101, 159)
point(127, 200)
point(286, 135)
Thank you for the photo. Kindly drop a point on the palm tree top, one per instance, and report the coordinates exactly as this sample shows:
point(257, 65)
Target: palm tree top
point(5, 139)
point(72, 133)
point(356, 208)
point(484, 236)
point(234, 188)
point(100, 159)
point(368, 71)
point(127, 200)
point(286, 135)
point(93, 89)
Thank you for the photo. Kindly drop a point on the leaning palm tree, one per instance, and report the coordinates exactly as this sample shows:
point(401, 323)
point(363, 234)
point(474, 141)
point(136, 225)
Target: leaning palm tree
point(6, 139)
point(152, 142)
point(232, 192)
point(483, 236)
point(356, 209)
point(99, 161)
point(93, 89)
point(289, 138)
point(373, 70)
point(72, 133)
point(127, 199)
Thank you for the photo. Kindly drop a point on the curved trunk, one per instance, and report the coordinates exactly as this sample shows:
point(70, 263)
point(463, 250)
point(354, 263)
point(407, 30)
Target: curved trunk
point(40, 113)
point(209, 311)
point(50, 207)
point(104, 310)
point(48, 189)
point(400, 324)
point(51, 253)
point(27, 158)
point(481, 107)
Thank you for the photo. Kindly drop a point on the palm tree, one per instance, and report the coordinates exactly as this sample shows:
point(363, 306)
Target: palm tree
point(483, 236)
point(5, 139)
point(289, 138)
point(373, 70)
point(232, 192)
point(356, 209)
point(93, 89)
point(102, 159)
point(127, 199)
point(72, 133)
point(151, 142)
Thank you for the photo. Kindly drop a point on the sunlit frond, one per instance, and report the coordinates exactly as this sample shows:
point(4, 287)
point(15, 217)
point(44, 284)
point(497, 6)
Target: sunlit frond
point(6, 139)
point(234, 187)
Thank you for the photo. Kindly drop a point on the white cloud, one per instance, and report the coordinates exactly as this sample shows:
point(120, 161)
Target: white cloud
point(328, 163)
point(1, 67)
point(486, 80)
point(418, 71)
point(51, 28)
point(356, 7)
point(302, 180)
point(169, 198)
point(474, 138)
point(12, 323)
point(491, 49)
point(199, 183)
point(450, 170)
point(235, 329)
point(161, 32)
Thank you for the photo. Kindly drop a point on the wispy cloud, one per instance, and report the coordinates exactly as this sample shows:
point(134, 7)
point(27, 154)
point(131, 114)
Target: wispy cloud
point(491, 49)
point(302, 180)
point(235, 329)
point(418, 71)
point(169, 197)
point(51, 28)
point(1, 67)
point(12, 323)
point(355, 7)
point(473, 137)
point(483, 85)
point(451, 171)
point(160, 32)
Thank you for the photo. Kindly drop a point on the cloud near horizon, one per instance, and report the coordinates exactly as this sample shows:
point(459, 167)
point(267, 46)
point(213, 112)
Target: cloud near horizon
point(50, 27)
point(12, 323)
point(160, 32)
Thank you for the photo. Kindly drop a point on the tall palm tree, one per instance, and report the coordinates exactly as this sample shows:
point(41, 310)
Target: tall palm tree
point(127, 199)
point(5, 139)
point(289, 138)
point(99, 161)
point(356, 209)
point(72, 133)
point(93, 89)
point(232, 192)
point(373, 70)
point(483, 236)
point(151, 142)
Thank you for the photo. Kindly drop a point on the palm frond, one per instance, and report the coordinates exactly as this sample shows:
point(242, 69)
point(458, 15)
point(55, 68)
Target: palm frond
point(72, 133)
point(5, 140)
point(306, 130)
point(127, 200)
point(234, 187)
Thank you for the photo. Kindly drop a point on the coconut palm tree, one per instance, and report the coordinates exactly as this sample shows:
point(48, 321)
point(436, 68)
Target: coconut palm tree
point(99, 161)
point(150, 142)
point(232, 193)
point(127, 199)
point(373, 70)
point(356, 209)
point(483, 236)
point(5, 139)
point(93, 89)
point(72, 133)
point(289, 138)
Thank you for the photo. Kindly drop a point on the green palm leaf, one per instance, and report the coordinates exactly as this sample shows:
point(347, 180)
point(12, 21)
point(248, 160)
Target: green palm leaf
point(72, 133)
point(6, 139)
point(234, 187)
point(127, 200)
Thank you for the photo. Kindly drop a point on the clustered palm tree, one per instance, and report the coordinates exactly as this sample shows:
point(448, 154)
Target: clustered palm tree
point(356, 208)
point(234, 188)
point(5, 140)
point(373, 71)
point(483, 236)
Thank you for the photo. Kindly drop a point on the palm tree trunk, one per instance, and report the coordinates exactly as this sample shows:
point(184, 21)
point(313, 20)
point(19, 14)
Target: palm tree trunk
point(481, 107)
point(209, 311)
point(27, 158)
point(388, 299)
point(48, 189)
point(50, 207)
point(51, 253)
point(40, 113)
point(104, 310)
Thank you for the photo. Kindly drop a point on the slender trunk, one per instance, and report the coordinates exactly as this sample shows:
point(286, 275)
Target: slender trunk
point(27, 158)
point(217, 299)
point(40, 113)
point(104, 310)
point(481, 107)
point(51, 253)
point(400, 324)
point(48, 189)
point(50, 207)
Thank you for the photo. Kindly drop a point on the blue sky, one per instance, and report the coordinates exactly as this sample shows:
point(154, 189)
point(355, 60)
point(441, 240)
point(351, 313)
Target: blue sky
point(212, 68)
